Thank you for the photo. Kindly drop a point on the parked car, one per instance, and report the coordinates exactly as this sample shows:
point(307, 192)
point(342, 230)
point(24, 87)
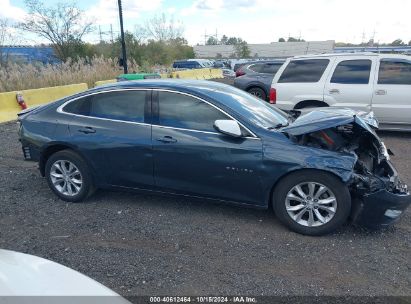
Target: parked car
point(207, 63)
point(187, 64)
point(361, 81)
point(211, 140)
point(227, 73)
point(256, 78)
point(24, 275)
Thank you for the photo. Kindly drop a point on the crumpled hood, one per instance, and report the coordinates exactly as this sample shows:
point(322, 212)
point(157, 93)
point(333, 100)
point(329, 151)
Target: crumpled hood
point(326, 118)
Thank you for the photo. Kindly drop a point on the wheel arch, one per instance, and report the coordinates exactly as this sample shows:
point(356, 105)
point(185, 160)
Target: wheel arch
point(305, 103)
point(275, 184)
point(52, 149)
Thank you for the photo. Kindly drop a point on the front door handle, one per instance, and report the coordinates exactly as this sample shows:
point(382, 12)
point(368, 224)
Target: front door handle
point(167, 140)
point(381, 92)
point(334, 91)
point(87, 130)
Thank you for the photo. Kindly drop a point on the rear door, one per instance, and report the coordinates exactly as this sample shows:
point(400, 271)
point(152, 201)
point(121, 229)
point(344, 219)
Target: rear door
point(113, 131)
point(392, 92)
point(191, 157)
point(299, 80)
point(351, 84)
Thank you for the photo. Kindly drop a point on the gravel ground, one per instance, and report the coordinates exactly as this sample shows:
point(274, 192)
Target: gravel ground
point(152, 245)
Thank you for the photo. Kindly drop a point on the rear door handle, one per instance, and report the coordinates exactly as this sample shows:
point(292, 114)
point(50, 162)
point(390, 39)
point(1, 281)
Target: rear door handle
point(334, 91)
point(87, 130)
point(381, 92)
point(167, 140)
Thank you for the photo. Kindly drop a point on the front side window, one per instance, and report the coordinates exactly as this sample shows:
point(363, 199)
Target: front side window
point(186, 112)
point(352, 72)
point(394, 72)
point(119, 105)
point(307, 70)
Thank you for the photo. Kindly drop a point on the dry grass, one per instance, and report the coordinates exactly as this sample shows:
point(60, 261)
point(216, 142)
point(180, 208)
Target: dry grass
point(27, 76)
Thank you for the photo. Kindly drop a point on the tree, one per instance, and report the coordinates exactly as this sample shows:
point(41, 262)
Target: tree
point(409, 42)
point(224, 39)
point(212, 41)
point(242, 50)
point(232, 41)
point(161, 28)
point(4, 37)
point(281, 40)
point(397, 42)
point(63, 25)
point(292, 39)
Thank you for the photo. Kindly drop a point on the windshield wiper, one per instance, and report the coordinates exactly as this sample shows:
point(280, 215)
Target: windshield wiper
point(278, 126)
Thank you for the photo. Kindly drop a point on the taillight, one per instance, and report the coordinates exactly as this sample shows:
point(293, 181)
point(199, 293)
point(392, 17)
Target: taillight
point(273, 95)
point(239, 73)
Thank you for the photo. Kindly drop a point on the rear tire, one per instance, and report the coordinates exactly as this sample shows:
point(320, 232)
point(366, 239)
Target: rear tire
point(68, 176)
point(322, 205)
point(258, 92)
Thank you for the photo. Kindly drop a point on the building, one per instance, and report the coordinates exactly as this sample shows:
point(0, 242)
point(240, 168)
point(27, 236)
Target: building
point(271, 50)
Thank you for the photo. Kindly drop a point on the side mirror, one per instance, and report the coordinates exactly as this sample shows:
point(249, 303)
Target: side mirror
point(229, 127)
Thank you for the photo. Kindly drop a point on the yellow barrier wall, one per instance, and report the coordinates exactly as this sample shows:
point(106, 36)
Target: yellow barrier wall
point(198, 74)
point(102, 82)
point(9, 107)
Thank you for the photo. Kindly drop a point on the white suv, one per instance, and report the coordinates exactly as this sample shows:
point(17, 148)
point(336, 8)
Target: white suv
point(361, 81)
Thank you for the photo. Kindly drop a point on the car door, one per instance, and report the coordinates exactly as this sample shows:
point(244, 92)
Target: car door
point(113, 131)
point(191, 157)
point(300, 80)
point(392, 92)
point(351, 84)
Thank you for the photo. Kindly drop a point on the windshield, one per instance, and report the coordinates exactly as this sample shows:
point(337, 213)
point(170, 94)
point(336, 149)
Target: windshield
point(252, 108)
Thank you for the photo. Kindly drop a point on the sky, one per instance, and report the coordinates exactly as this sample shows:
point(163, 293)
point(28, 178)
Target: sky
point(256, 21)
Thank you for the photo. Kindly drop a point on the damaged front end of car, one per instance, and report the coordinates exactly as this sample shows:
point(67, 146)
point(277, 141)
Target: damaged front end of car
point(378, 195)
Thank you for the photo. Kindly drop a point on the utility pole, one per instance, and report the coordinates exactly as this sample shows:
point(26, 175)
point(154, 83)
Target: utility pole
point(100, 34)
point(123, 42)
point(111, 33)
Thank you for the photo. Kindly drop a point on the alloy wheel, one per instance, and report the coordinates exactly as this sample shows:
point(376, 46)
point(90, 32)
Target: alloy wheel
point(66, 177)
point(311, 204)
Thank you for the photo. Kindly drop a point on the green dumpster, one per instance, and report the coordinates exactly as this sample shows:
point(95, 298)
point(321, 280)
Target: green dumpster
point(139, 76)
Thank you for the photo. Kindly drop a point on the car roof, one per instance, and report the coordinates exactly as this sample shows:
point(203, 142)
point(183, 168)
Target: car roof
point(204, 87)
point(356, 54)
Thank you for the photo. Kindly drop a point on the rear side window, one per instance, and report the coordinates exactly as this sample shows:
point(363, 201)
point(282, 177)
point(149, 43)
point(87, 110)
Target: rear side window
point(80, 106)
point(271, 68)
point(394, 72)
point(309, 70)
point(352, 72)
point(186, 112)
point(121, 105)
point(256, 67)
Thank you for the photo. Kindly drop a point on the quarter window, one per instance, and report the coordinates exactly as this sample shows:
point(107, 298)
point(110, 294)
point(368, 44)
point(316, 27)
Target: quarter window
point(182, 111)
point(256, 67)
point(352, 72)
point(271, 68)
point(394, 72)
point(310, 70)
point(121, 105)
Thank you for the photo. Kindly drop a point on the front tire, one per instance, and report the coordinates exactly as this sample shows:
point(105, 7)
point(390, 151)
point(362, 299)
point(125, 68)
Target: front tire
point(68, 176)
point(312, 202)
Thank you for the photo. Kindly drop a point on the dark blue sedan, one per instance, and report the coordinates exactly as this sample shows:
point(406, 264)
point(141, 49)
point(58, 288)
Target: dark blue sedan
point(210, 140)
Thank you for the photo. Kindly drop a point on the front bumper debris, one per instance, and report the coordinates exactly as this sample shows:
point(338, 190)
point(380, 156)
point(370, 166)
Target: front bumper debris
point(381, 208)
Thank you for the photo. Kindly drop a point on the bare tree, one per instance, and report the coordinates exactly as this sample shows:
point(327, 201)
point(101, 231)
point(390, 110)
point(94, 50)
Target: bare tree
point(161, 28)
point(5, 38)
point(63, 25)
